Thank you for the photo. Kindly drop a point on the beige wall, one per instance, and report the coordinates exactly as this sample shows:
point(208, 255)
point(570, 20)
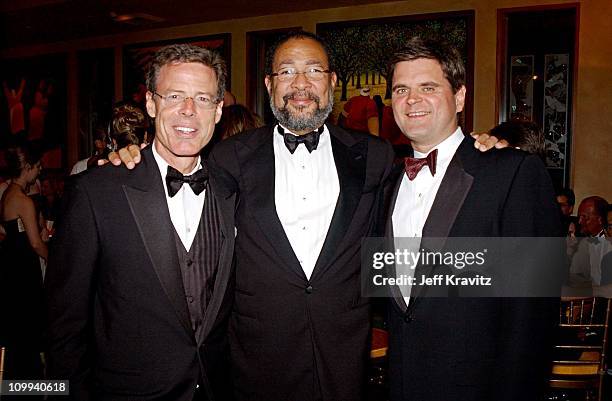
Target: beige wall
point(592, 147)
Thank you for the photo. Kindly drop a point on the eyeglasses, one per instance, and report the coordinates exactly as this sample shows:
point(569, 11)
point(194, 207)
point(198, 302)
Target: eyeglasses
point(289, 74)
point(201, 101)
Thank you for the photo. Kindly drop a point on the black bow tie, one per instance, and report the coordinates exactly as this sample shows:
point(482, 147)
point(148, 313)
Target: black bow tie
point(197, 181)
point(310, 140)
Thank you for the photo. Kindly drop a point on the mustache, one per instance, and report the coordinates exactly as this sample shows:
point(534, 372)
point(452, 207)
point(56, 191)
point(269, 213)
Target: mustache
point(301, 94)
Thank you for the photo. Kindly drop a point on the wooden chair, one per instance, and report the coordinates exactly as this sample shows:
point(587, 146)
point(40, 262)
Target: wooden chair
point(379, 344)
point(580, 356)
point(377, 372)
point(2, 352)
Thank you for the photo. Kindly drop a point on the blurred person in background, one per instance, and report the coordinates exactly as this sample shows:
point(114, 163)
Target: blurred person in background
point(101, 150)
point(20, 274)
point(235, 119)
point(592, 216)
point(128, 126)
point(566, 200)
point(523, 135)
point(380, 106)
point(606, 261)
point(49, 202)
point(229, 99)
point(360, 113)
point(585, 267)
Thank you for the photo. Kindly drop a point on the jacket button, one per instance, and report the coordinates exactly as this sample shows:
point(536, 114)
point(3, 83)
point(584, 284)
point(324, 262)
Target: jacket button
point(408, 318)
point(309, 289)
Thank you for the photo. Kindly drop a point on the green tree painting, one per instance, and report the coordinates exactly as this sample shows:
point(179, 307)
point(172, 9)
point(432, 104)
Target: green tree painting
point(361, 49)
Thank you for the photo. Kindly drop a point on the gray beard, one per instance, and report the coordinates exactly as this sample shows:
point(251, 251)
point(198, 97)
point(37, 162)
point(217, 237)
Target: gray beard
point(309, 122)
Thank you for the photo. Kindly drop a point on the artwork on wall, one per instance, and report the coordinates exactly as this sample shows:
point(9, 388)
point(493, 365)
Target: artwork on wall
point(535, 63)
point(33, 104)
point(362, 49)
point(137, 57)
point(521, 85)
point(555, 108)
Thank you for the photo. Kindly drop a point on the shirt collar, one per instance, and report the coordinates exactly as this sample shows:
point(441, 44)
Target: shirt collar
point(291, 132)
point(163, 165)
point(446, 148)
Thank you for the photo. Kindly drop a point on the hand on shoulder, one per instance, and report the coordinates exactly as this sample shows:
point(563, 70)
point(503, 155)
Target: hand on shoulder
point(129, 156)
point(486, 142)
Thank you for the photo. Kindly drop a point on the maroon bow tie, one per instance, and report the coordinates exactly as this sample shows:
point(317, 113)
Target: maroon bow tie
point(413, 165)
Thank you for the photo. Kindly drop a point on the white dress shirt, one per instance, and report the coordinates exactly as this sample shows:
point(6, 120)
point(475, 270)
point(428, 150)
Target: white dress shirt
point(79, 166)
point(306, 190)
point(586, 262)
point(415, 198)
point(185, 207)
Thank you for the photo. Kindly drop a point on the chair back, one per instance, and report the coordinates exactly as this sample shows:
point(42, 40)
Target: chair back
point(580, 353)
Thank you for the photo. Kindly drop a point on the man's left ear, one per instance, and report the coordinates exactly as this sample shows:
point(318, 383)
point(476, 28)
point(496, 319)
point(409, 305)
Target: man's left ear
point(268, 83)
point(150, 104)
point(334, 79)
point(460, 99)
point(218, 111)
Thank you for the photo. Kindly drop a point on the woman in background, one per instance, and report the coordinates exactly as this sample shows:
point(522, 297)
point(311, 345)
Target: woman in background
point(128, 126)
point(235, 119)
point(20, 272)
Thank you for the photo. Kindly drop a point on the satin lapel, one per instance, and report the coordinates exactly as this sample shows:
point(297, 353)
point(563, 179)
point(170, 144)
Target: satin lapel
point(226, 203)
point(259, 173)
point(450, 197)
point(350, 157)
point(397, 176)
point(148, 205)
point(449, 200)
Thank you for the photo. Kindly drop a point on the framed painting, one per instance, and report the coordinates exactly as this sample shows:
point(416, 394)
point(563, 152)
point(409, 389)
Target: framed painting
point(536, 69)
point(362, 49)
point(556, 109)
point(137, 57)
point(521, 85)
point(33, 104)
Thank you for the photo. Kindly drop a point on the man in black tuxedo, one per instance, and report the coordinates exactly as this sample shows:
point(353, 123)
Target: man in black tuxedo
point(299, 328)
point(138, 286)
point(476, 349)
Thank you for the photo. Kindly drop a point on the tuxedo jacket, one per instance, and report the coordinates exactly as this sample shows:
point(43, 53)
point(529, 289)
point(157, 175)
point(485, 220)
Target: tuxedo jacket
point(454, 348)
point(292, 338)
point(118, 322)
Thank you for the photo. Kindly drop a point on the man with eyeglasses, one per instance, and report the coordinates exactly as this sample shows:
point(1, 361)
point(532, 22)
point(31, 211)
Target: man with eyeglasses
point(299, 329)
point(138, 286)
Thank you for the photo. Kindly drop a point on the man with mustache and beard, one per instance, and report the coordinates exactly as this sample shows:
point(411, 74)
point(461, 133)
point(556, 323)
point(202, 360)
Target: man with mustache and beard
point(299, 328)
